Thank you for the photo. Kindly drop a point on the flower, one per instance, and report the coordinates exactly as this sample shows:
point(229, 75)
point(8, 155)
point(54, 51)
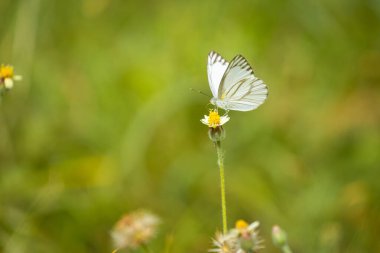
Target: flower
point(7, 76)
point(214, 120)
point(135, 229)
point(244, 238)
point(249, 240)
point(279, 237)
point(244, 229)
point(223, 243)
point(248, 236)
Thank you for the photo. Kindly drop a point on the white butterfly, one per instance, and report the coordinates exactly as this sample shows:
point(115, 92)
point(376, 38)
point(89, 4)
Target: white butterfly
point(233, 85)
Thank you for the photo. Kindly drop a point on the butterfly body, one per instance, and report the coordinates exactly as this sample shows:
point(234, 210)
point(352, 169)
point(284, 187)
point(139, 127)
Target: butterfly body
point(233, 85)
point(221, 103)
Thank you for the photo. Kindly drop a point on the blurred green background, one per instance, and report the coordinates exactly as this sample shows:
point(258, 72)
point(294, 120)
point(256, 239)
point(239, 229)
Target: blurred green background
point(104, 123)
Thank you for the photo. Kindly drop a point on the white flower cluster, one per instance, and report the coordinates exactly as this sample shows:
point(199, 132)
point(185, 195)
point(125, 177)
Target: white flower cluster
point(244, 238)
point(135, 229)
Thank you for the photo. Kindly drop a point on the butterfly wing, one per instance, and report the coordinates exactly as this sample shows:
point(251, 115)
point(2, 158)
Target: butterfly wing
point(240, 90)
point(216, 67)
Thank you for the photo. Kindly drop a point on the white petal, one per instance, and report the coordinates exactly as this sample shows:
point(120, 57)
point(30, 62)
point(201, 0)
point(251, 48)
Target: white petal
point(224, 120)
point(253, 225)
point(8, 83)
point(205, 120)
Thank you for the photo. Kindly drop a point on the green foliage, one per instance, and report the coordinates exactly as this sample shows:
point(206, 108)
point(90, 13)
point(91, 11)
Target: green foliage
point(104, 123)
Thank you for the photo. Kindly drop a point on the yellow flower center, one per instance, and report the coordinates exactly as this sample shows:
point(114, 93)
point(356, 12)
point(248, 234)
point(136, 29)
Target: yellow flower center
point(6, 71)
point(241, 224)
point(213, 119)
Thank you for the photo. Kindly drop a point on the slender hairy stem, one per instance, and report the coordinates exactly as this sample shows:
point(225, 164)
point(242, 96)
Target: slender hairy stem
point(286, 249)
point(219, 151)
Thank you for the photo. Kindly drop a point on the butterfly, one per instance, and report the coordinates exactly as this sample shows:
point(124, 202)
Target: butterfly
point(233, 85)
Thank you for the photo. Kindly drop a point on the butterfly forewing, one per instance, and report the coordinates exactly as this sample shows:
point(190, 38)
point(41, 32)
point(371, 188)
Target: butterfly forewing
point(216, 68)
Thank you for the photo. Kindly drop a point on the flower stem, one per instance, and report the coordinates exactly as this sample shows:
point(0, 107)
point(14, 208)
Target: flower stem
point(219, 151)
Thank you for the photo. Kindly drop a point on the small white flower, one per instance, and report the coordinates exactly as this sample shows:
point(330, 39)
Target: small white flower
point(248, 236)
point(279, 237)
point(135, 229)
point(244, 238)
point(7, 76)
point(214, 120)
point(224, 243)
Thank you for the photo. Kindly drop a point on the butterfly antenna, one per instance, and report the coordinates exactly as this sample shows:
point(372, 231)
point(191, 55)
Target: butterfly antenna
point(200, 92)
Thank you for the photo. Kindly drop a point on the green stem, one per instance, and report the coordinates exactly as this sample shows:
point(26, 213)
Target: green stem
point(219, 151)
point(286, 249)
